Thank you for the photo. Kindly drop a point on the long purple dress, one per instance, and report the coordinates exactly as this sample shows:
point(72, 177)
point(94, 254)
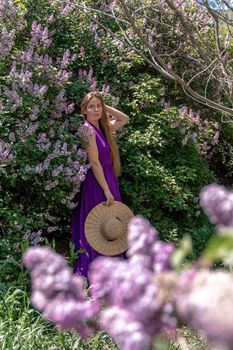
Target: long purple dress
point(90, 195)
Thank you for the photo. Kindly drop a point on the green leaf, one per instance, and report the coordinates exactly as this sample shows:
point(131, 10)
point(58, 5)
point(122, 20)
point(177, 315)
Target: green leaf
point(185, 249)
point(220, 247)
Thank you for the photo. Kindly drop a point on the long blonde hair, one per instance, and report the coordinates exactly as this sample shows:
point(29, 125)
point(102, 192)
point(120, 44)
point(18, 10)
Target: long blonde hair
point(105, 128)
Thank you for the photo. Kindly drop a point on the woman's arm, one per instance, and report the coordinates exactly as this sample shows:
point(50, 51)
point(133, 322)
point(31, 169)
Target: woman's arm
point(120, 118)
point(93, 158)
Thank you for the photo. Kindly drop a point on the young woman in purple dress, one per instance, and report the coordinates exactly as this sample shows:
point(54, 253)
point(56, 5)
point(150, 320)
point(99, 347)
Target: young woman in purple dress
point(101, 182)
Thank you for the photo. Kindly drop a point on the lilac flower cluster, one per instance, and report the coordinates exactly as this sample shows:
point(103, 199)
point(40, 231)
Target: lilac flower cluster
point(34, 237)
point(40, 35)
point(7, 10)
point(43, 142)
point(34, 113)
point(62, 105)
point(66, 9)
point(23, 79)
point(57, 292)
point(29, 59)
point(31, 56)
point(195, 13)
point(14, 101)
point(67, 59)
point(105, 88)
point(6, 41)
point(51, 184)
point(84, 133)
point(63, 76)
point(204, 303)
point(217, 203)
point(74, 172)
point(82, 153)
point(144, 243)
point(204, 133)
point(88, 76)
point(6, 153)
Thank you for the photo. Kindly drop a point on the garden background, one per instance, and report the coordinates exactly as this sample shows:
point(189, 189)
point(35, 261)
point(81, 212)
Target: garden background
point(52, 54)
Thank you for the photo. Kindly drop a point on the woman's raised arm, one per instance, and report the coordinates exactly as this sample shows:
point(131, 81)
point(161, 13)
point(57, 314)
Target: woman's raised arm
point(120, 118)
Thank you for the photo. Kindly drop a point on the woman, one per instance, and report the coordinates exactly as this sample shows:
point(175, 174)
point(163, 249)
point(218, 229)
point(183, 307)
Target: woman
point(101, 182)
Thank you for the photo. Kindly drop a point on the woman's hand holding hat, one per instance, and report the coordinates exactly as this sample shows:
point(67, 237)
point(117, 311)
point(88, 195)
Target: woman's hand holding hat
point(109, 197)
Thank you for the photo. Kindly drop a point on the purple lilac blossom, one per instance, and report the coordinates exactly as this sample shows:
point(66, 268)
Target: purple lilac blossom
point(84, 133)
point(143, 241)
point(128, 332)
point(82, 153)
point(205, 303)
point(40, 35)
point(217, 203)
point(7, 9)
point(34, 237)
point(6, 154)
point(57, 292)
point(6, 41)
point(105, 88)
point(13, 99)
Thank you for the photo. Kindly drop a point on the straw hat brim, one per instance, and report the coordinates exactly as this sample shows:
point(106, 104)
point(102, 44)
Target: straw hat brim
point(92, 228)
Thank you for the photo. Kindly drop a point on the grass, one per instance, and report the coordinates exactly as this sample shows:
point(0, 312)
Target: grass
point(189, 340)
point(22, 328)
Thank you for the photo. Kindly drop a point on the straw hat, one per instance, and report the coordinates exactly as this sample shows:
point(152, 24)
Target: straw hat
point(106, 228)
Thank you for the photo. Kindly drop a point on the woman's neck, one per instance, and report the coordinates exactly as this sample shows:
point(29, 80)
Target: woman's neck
point(95, 122)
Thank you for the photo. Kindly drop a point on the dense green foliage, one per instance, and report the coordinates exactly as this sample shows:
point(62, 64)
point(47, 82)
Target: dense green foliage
point(161, 178)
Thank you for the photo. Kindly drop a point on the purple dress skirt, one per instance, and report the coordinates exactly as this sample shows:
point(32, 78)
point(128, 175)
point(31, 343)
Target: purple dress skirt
point(89, 196)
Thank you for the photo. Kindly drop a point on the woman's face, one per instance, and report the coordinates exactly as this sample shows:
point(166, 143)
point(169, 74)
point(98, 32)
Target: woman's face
point(94, 109)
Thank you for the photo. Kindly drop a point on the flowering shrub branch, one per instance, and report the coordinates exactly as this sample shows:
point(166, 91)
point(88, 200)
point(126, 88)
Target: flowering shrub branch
point(167, 33)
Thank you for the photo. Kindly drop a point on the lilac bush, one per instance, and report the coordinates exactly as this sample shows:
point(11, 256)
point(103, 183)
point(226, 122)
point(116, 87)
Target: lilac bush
point(41, 158)
point(45, 72)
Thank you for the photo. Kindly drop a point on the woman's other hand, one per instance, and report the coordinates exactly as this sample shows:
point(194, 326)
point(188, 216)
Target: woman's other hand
point(109, 197)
